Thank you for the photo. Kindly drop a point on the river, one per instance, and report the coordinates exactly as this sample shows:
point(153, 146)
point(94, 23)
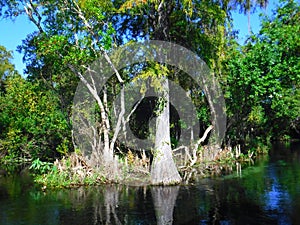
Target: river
point(265, 193)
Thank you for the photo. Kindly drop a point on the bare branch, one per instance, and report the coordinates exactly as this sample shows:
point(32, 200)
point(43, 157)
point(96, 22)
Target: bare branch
point(31, 10)
point(91, 31)
point(121, 115)
point(204, 135)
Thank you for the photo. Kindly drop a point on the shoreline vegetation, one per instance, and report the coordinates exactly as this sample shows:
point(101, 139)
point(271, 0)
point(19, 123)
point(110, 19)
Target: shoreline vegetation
point(72, 171)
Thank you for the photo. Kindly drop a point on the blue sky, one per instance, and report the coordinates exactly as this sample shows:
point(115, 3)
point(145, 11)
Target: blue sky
point(12, 33)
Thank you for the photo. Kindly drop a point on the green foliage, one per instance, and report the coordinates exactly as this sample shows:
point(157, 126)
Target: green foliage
point(260, 80)
point(263, 79)
point(39, 167)
point(66, 179)
point(34, 126)
point(6, 67)
point(256, 116)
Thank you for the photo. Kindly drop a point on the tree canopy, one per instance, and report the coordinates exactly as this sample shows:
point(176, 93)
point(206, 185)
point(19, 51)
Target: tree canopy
point(260, 79)
point(266, 71)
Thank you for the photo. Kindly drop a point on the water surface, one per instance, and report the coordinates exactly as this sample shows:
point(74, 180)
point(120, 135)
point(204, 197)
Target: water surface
point(266, 193)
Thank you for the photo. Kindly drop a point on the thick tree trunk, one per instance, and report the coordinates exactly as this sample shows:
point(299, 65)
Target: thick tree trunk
point(163, 169)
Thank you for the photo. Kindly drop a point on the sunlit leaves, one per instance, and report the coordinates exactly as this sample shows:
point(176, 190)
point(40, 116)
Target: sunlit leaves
point(264, 76)
point(256, 116)
point(155, 72)
point(33, 124)
point(130, 4)
point(6, 67)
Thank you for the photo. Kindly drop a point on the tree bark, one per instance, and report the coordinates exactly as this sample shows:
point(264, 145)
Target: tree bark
point(163, 168)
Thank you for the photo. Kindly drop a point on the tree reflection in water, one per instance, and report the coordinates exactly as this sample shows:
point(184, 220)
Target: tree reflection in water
point(164, 199)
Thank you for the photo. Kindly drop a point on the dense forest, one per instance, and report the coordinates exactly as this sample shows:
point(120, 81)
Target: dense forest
point(259, 81)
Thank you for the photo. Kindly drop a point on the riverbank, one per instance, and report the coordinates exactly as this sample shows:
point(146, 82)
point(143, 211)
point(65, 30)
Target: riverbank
point(133, 169)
